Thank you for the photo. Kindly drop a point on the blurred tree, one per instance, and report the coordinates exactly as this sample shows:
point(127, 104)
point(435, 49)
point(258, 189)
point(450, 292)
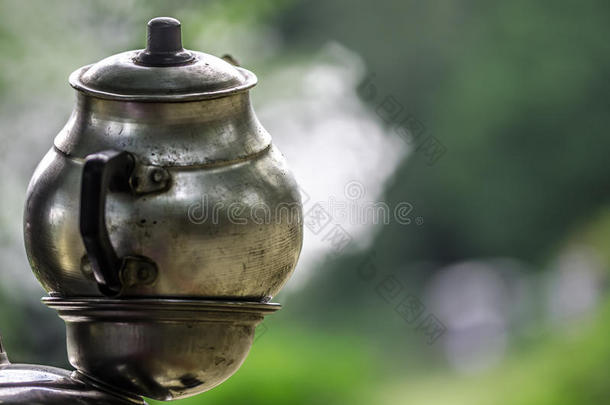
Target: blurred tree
point(517, 92)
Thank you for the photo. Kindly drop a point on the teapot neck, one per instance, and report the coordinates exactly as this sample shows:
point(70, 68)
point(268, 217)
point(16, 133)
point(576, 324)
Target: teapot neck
point(193, 133)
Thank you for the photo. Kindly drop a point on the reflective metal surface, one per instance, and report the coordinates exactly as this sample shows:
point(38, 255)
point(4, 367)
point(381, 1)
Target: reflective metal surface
point(201, 247)
point(160, 222)
point(41, 385)
point(164, 71)
point(161, 349)
point(227, 223)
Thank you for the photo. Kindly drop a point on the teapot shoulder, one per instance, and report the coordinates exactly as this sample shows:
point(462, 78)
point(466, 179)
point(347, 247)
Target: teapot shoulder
point(193, 133)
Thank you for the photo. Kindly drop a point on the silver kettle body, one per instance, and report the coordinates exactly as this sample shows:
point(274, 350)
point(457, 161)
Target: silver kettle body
point(161, 222)
point(163, 183)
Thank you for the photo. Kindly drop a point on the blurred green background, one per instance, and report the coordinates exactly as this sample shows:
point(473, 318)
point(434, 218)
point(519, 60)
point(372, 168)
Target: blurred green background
point(487, 120)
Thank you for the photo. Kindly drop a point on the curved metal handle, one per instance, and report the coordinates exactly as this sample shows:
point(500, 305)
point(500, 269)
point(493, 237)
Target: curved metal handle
point(104, 171)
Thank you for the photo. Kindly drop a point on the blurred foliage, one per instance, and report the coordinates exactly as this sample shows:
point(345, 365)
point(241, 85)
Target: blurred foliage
point(516, 91)
point(30, 332)
point(302, 366)
point(561, 369)
point(293, 365)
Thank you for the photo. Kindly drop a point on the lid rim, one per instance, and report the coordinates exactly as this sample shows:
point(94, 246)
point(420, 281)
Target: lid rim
point(250, 80)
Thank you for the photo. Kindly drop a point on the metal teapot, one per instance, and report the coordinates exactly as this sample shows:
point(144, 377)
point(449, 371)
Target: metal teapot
point(161, 223)
point(163, 183)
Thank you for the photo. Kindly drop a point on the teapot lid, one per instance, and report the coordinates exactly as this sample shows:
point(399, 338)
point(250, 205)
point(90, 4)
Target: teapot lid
point(163, 72)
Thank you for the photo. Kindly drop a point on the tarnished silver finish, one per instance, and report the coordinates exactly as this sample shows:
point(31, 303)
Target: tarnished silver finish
point(161, 349)
point(24, 384)
point(213, 202)
point(199, 248)
point(160, 222)
point(164, 71)
point(119, 78)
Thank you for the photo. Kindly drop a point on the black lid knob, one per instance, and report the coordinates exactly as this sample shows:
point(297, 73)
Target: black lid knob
point(164, 44)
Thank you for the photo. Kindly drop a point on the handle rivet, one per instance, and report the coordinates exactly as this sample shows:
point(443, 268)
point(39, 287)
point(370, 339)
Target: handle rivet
point(143, 273)
point(157, 175)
